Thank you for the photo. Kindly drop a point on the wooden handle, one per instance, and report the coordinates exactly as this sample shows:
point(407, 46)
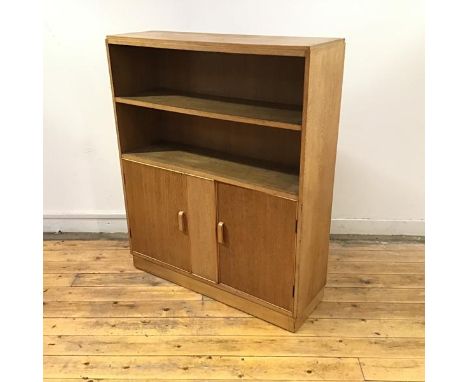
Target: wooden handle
point(220, 233)
point(181, 220)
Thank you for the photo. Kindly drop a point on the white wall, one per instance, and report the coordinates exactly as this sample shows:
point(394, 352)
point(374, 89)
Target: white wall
point(379, 186)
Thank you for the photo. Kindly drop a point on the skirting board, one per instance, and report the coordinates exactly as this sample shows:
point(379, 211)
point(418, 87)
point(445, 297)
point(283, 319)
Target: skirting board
point(110, 223)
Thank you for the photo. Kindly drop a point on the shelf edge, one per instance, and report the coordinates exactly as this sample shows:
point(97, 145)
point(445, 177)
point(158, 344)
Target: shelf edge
point(208, 175)
point(212, 115)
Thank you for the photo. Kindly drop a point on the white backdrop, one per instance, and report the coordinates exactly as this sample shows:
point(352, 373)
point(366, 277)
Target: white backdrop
point(379, 186)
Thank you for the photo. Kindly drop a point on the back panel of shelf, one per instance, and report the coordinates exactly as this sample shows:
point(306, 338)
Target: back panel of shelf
point(150, 87)
point(271, 79)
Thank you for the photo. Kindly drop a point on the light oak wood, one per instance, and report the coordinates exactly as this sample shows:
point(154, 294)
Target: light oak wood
point(205, 163)
point(255, 117)
point(236, 298)
point(322, 97)
point(251, 78)
point(256, 254)
point(279, 147)
point(201, 202)
point(219, 108)
point(220, 232)
point(155, 198)
point(230, 43)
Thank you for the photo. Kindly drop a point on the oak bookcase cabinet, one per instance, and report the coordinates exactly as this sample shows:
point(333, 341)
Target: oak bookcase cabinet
point(227, 146)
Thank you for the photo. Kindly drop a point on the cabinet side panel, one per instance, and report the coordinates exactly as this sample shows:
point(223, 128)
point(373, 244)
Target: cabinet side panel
point(201, 219)
point(119, 145)
point(324, 75)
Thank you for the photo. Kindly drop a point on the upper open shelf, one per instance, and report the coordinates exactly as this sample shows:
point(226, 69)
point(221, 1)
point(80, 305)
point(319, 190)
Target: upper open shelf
point(229, 109)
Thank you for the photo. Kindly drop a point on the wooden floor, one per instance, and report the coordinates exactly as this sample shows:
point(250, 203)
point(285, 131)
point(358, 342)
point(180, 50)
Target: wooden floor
point(104, 320)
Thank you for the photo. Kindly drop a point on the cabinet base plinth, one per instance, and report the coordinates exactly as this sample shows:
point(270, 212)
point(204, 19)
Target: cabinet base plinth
point(212, 290)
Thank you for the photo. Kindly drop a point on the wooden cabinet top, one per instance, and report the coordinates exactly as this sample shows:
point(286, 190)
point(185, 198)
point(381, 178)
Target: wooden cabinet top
point(227, 43)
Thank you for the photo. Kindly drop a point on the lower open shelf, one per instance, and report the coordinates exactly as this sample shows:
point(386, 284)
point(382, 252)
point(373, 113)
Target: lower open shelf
point(219, 166)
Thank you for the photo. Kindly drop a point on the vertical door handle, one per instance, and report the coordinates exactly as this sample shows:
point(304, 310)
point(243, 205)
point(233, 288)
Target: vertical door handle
point(181, 220)
point(220, 232)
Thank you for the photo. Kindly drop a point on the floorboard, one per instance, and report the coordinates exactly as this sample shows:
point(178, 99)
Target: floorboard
point(106, 321)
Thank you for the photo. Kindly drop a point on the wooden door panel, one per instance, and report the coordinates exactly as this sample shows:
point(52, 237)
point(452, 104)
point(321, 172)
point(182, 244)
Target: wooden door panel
point(154, 199)
point(257, 256)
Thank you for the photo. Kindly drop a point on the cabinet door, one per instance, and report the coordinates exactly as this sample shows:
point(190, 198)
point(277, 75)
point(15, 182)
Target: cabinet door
point(156, 208)
point(258, 236)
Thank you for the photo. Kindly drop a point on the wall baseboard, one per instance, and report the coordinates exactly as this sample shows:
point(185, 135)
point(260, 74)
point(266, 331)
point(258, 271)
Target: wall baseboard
point(377, 227)
point(110, 223)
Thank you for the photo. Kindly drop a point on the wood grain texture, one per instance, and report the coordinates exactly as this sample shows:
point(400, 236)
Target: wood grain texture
point(54, 280)
point(201, 201)
point(234, 346)
point(136, 278)
point(244, 77)
point(232, 326)
point(376, 256)
point(154, 199)
point(362, 310)
point(242, 82)
point(157, 380)
point(279, 147)
point(84, 245)
point(393, 369)
point(162, 308)
point(230, 43)
point(367, 267)
point(229, 169)
point(218, 108)
point(175, 292)
point(345, 294)
point(233, 297)
point(203, 367)
point(257, 256)
point(162, 293)
point(93, 329)
point(322, 98)
point(375, 281)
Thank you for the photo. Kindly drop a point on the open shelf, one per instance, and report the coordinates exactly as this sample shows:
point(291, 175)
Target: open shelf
point(219, 166)
point(229, 109)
